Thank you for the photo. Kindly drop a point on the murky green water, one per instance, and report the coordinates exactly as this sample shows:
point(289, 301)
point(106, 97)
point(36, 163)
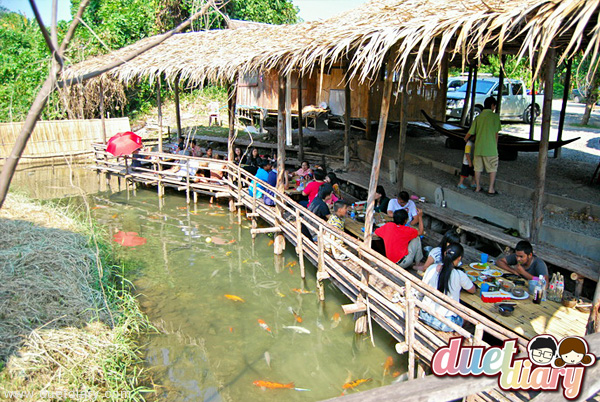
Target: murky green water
point(212, 348)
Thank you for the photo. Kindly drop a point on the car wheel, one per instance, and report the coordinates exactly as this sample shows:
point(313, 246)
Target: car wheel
point(527, 114)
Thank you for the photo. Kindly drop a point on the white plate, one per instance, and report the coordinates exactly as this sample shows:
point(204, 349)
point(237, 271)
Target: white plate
point(491, 272)
point(525, 296)
point(473, 264)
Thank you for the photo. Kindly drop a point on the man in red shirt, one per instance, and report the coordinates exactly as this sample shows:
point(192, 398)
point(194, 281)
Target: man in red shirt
point(402, 243)
point(312, 189)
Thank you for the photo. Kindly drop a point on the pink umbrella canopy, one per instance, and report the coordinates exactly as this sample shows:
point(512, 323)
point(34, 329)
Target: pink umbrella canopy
point(123, 143)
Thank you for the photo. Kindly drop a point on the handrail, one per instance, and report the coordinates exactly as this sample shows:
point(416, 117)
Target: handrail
point(234, 182)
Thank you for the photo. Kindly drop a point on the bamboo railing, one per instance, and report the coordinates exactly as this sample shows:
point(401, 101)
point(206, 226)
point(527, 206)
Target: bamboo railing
point(388, 294)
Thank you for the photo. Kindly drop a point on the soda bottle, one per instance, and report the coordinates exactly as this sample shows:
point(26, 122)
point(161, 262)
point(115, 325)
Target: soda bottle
point(543, 287)
point(552, 288)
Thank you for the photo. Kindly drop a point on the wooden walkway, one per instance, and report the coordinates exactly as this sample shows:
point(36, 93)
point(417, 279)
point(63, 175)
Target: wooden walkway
point(378, 289)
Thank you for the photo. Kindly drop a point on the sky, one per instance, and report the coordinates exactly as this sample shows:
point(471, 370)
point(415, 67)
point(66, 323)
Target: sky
point(310, 10)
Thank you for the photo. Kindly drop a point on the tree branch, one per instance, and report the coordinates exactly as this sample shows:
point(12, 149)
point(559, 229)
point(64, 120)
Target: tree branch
point(45, 33)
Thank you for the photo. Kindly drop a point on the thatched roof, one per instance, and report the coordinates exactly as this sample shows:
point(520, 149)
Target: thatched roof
point(420, 30)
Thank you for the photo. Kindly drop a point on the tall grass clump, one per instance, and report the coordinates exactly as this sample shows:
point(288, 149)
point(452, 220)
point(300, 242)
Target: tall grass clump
point(69, 321)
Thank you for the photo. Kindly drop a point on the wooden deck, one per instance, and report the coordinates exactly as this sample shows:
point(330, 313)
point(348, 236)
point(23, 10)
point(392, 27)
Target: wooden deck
point(376, 287)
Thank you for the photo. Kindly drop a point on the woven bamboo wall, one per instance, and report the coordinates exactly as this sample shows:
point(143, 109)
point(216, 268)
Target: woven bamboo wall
point(60, 137)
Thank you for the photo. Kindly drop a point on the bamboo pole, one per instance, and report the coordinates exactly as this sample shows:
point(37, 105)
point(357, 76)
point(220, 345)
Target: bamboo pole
point(300, 122)
point(463, 113)
point(532, 111)
point(409, 331)
point(177, 109)
point(102, 118)
point(347, 118)
point(402, 134)
point(563, 109)
point(473, 94)
point(160, 121)
point(500, 85)
point(538, 198)
point(320, 268)
point(231, 101)
point(385, 108)
point(299, 244)
point(288, 110)
point(368, 133)
point(442, 88)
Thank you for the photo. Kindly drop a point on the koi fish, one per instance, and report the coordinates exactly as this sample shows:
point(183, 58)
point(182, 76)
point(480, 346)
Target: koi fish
point(320, 326)
point(114, 216)
point(228, 253)
point(389, 362)
point(355, 383)
point(270, 243)
point(301, 291)
point(231, 329)
point(273, 385)
point(268, 358)
point(100, 206)
point(298, 330)
point(396, 374)
point(291, 271)
point(264, 326)
point(219, 241)
point(231, 241)
point(235, 298)
point(181, 207)
point(280, 294)
point(291, 264)
point(296, 316)
point(336, 319)
point(221, 227)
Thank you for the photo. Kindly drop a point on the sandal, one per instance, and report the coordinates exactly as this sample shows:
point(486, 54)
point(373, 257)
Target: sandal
point(493, 194)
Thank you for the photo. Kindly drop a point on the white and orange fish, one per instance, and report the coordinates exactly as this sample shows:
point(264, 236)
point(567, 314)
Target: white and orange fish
point(296, 316)
point(264, 326)
point(301, 291)
point(336, 319)
point(389, 363)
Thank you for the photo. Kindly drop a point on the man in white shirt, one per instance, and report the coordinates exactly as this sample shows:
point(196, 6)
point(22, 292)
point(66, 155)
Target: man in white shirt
point(404, 202)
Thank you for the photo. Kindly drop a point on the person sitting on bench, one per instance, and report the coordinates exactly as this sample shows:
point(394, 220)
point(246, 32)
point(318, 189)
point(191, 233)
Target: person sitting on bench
point(402, 243)
point(525, 263)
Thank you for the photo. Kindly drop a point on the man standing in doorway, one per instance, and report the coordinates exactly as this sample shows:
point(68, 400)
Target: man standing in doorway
point(485, 128)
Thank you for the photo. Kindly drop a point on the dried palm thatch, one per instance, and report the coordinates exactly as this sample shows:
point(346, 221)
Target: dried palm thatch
point(418, 32)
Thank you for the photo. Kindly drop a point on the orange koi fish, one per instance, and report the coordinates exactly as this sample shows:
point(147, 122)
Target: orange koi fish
point(396, 374)
point(114, 216)
point(273, 385)
point(389, 362)
point(336, 319)
point(235, 298)
point(291, 264)
point(270, 243)
point(264, 326)
point(301, 291)
point(181, 207)
point(296, 316)
point(355, 383)
point(291, 271)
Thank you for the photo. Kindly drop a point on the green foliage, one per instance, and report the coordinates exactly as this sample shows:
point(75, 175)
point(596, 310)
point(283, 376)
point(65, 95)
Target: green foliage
point(267, 11)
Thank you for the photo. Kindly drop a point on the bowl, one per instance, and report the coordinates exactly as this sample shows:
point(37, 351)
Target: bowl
point(506, 285)
point(584, 308)
point(506, 309)
point(518, 292)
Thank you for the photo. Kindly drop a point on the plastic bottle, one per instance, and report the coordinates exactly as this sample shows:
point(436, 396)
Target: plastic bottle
point(537, 294)
point(560, 287)
point(543, 287)
point(352, 212)
point(552, 288)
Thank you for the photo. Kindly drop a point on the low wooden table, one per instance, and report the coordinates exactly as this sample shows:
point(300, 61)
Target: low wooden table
point(531, 319)
point(356, 228)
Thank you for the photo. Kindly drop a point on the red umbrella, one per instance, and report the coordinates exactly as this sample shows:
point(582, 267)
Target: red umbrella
point(123, 143)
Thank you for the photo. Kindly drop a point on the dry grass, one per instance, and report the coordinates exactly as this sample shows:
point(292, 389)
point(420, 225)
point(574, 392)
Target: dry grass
point(56, 332)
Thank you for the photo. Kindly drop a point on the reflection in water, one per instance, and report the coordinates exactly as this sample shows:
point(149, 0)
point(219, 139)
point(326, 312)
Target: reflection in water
point(212, 347)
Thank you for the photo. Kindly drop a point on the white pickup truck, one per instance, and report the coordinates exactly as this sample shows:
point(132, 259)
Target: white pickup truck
point(515, 103)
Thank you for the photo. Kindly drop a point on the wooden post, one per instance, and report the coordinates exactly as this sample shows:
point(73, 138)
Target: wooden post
point(177, 112)
point(369, 133)
point(300, 122)
point(231, 101)
point(102, 117)
point(300, 244)
point(500, 84)
point(284, 102)
point(320, 287)
point(473, 94)
point(288, 110)
point(409, 329)
point(403, 124)
point(443, 88)
point(563, 109)
point(538, 198)
point(187, 182)
point(463, 114)
point(347, 118)
point(593, 325)
point(385, 108)
point(159, 105)
point(532, 114)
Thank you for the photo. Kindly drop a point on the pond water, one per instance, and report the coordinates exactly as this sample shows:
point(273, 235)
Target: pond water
point(212, 347)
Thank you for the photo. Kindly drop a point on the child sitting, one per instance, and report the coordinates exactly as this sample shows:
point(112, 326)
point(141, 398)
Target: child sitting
point(467, 166)
point(340, 209)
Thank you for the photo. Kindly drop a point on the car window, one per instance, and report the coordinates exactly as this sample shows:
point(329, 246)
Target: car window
point(504, 90)
point(456, 84)
point(483, 87)
point(517, 89)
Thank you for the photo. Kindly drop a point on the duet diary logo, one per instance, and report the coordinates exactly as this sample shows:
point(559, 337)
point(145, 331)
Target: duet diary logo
point(549, 364)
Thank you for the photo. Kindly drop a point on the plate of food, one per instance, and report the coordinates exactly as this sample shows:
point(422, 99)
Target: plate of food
point(478, 266)
point(472, 274)
point(493, 272)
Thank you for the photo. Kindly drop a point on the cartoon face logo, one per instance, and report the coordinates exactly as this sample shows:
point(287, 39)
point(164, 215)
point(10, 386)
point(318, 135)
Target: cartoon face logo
point(542, 350)
point(573, 351)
